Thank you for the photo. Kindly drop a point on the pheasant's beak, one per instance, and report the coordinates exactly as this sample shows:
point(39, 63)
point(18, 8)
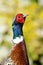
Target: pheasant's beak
point(25, 16)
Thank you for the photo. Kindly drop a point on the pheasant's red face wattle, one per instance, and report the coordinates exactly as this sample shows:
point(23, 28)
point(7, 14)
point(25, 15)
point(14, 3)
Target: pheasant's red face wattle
point(20, 18)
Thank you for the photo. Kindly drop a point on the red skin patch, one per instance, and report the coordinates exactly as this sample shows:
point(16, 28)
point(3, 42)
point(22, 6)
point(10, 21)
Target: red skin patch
point(20, 18)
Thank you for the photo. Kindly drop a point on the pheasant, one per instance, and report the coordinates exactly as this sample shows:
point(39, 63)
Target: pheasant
point(18, 55)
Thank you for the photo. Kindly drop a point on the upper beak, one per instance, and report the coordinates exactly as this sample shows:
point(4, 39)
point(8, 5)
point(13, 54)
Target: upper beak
point(25, 15)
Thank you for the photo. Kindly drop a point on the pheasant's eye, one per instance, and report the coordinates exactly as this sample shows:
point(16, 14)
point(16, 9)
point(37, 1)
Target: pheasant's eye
point(18, 16)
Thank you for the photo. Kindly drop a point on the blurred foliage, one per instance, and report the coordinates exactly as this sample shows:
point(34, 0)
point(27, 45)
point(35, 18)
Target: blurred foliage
point(33, 23)
point(34, 1)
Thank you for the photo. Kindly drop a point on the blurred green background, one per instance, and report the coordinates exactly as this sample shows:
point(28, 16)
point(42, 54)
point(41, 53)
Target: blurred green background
point(32, 29)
